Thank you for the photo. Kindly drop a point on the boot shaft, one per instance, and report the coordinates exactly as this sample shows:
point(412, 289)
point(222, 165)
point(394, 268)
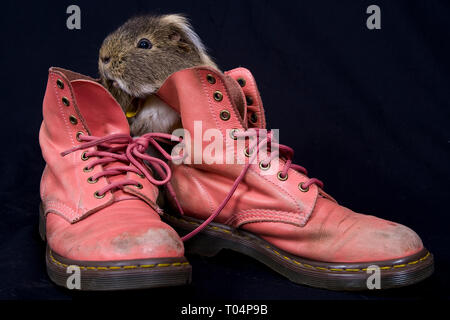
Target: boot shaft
point(75, 105)
point(217, 101)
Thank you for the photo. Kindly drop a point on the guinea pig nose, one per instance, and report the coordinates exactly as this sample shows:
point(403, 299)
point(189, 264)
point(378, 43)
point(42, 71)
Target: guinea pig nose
point(105, 60)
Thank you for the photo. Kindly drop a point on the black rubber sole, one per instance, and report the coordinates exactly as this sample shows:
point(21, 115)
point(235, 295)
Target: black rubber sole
point(333, 276)
point(115, 275)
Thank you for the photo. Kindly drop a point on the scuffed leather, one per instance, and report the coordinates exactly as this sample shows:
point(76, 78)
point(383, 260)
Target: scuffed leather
point(260, 197)
point(308, 224)
point(125, 224)
point(126, 230)
point(64, 186)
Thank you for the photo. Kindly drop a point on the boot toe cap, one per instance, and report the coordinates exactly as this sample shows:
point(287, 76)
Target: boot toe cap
point(375, 239)
point(114, 235)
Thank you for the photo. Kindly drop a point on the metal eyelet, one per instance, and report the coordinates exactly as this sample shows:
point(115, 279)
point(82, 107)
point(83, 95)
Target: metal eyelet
point(73, 120)
point(218, 96)
point(280, 177)
point(249, 100)
point(65, 101)
point(98, 196)
point(142, 176)
point(241, 82)
point(263, 166)
point(247, 152)
point(232, 134)
point(84, 157)
point(79, 133)
point(253, 118)
point(210, 78)
point(60, 84)
point(139, 186)
point(90, 180)
point(225, 115)
point(300, 186)
point(86, 169)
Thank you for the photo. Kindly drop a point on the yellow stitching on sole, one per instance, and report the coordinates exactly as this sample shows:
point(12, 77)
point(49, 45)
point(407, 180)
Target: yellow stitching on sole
point(304, 264)
point(321, 268)
point(352, 270)
point(175, 264)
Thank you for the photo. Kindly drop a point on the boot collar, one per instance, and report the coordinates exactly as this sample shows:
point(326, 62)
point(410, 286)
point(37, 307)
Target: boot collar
point(97, 110)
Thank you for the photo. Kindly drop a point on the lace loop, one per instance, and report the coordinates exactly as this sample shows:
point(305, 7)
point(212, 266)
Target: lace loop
point(130, 152)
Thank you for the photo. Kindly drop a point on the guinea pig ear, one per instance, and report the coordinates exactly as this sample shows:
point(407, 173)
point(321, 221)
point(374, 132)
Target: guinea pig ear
point(182, 32)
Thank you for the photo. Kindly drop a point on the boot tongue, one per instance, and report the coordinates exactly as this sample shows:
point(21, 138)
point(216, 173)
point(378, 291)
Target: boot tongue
point(99, 111)
point(237, 97)
point(254, 110)
point(101, 115)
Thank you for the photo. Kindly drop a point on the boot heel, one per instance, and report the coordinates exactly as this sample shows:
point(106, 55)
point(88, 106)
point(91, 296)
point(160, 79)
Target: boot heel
point(41, 223)
point(203, 245)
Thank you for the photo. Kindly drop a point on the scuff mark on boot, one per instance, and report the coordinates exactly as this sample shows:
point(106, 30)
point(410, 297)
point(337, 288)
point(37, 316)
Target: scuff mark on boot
point(152, 241)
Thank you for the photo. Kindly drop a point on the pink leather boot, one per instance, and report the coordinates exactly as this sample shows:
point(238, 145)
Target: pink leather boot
point(270, 209)
point(99, 211)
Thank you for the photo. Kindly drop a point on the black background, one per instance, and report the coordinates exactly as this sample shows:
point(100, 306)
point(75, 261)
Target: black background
point(367, 111)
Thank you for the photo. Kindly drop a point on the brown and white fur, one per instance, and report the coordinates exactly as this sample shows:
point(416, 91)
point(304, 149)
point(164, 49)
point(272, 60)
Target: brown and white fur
point(133, 74)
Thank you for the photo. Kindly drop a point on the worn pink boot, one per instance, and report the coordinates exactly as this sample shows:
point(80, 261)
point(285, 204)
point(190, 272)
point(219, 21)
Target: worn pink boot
point(99, 211)
point(270, 209)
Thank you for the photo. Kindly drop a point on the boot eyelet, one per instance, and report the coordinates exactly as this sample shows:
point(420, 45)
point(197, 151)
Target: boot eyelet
point(79, 133)
point(241, 82)
point(249, 100)
point(84, 157)
point(73, 120)
point(300, 186)
point(98, 196)
point(232, 134)
point(139, 186)
point(281, 177)
point(86, 169)
point(263, 166)
point(90, 180)
point(210, 78)
point(253, 118)
point(247, 152)
point(218, 96)
point(60, 84)
point(65, 101)
point(142, 176)
point(225, 115)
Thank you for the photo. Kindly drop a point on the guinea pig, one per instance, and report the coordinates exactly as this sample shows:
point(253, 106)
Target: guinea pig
point(138, 57)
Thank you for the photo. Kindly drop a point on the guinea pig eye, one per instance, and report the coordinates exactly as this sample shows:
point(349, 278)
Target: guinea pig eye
point(144, 44)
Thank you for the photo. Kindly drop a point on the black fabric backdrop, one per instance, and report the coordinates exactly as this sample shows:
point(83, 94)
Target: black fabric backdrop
point(367, 111)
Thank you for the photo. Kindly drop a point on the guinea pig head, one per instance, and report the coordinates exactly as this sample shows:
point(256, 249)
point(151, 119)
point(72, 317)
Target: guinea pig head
point(139, 56)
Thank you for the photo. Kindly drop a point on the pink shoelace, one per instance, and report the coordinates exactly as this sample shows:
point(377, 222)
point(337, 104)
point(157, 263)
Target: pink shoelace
point(130, 152)
point(265, 141)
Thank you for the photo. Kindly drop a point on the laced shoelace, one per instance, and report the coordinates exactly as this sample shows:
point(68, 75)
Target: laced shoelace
point(130, 152)
point(263, 139)
point(123, 148)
